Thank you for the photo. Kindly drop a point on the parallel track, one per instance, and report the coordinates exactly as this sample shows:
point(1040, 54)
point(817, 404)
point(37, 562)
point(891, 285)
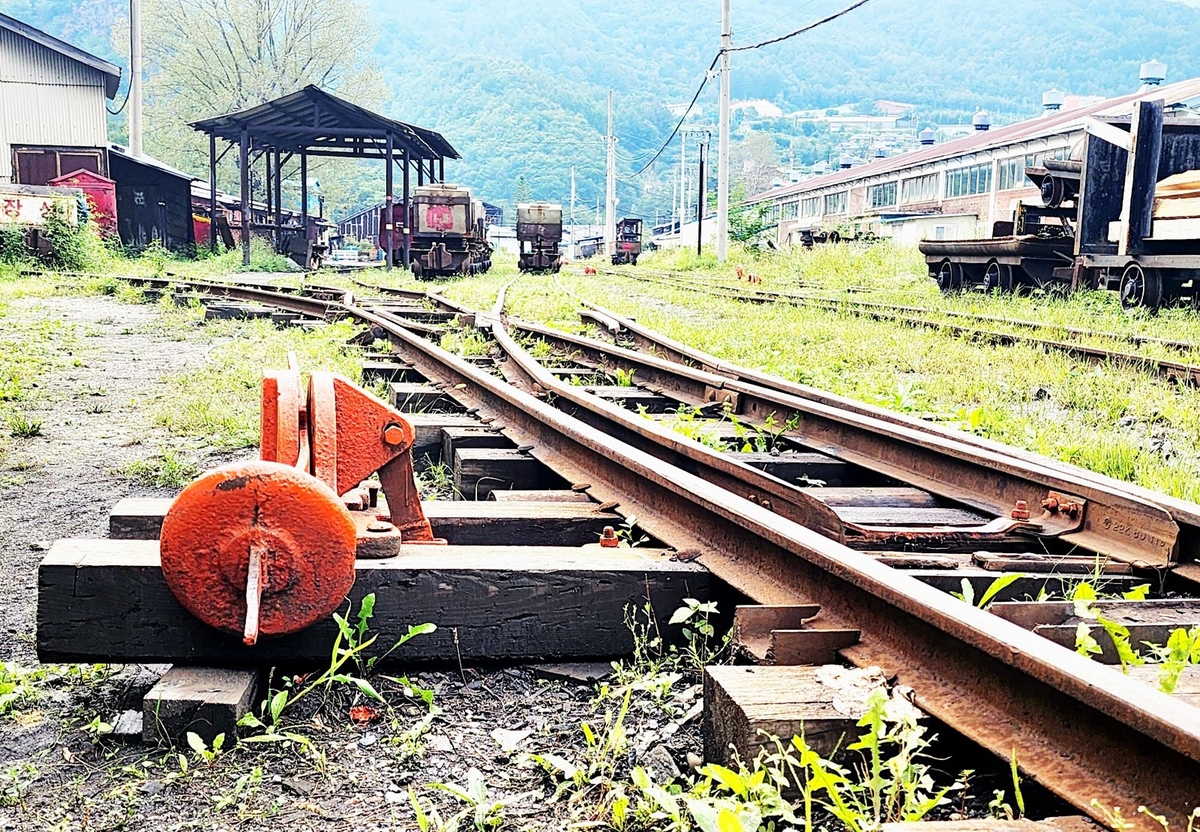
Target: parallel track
point(1174, 371)
point(1082, 729)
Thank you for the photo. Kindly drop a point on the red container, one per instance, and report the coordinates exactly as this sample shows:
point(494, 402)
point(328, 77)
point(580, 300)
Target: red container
point(101, 195)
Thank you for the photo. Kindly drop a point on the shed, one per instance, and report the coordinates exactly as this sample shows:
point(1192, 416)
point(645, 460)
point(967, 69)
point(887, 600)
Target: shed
point(154, 202)
point(313, 122)
point(52, 106)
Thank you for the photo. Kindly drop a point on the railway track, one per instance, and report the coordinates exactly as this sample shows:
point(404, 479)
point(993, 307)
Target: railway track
point(1080, 728)
point(1173, 371)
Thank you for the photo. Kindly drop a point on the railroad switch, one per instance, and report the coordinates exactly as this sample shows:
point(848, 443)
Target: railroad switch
point(267, 547)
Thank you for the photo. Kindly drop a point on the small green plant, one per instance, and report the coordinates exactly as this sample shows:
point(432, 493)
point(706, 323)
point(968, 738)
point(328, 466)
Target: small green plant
point(994, 588)
point(15, 782)
point(999, 806)
point(167, 469)
point(19, 685)
point(767, 439)
point(591, 781)
point(23, 426)
point(486, 812)
point(699, 633)
point(623, 377)
point(1181, 651)
point(435, 479)
point(96, 729)
point(691, 422)
point(202, 750)
point(629, 532)
point(1084, 597)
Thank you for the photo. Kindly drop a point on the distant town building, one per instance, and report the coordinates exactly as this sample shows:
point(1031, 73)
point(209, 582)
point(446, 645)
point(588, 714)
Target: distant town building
point(761, 107)
point(952, 189)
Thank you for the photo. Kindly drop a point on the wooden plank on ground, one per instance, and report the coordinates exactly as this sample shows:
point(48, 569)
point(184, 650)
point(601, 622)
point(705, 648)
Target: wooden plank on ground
point(206, 701)
point(106, 601)
point(801, 467)
point(823, 703)
point(547, 496)
point(480, 471)
point(474, 436)
point(460, 522)
point(421, 398)
point(902, 497)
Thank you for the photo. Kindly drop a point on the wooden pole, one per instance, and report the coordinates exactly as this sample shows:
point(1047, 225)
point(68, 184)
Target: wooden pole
point(212, 192)
point(407, 214)
point(389, 214)
point(244, 160)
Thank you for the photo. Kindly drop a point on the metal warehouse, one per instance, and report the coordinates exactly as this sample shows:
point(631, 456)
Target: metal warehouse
point(52, 106)
point(953, 190)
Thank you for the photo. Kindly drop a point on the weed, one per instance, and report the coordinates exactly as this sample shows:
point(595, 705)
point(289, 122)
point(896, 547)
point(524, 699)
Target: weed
point(999, 806)
point(15, 782)
point(994, 588)
point(464, 340)
point(692, 423)
point(1084, 597)
point(485, 811)
point(95, 407)
point(23, 426)
point(1181, 651)
point(19, 685)
point(166, 469)
point(202, 750)
point(699, 633)
point(96, 729)
point(435, 479)
point(623, 377)
point(629, 532)
point(767, 439)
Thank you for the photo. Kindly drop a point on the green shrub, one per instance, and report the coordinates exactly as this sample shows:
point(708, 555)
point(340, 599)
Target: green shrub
point(13, 248)
point(70, 248)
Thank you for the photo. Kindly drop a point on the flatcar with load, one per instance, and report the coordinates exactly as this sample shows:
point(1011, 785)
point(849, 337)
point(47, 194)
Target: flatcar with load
point(1122, 213)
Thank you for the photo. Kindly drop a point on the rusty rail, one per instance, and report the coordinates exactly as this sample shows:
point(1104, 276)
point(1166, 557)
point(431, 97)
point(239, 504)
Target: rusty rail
point(1080, 728)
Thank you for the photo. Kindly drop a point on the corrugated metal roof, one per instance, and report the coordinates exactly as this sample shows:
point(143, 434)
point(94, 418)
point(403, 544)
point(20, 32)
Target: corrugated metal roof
point(302, 110)
point(1047, 125)
point(148, 161)
point(110, 72)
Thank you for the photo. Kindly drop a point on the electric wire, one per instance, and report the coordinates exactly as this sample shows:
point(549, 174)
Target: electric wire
point(128, 89)
point(708, 72)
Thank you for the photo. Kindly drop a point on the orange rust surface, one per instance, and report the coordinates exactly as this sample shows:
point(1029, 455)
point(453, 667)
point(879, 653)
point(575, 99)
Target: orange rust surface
point(307, 534)
point(281, 407)
point(370, 432)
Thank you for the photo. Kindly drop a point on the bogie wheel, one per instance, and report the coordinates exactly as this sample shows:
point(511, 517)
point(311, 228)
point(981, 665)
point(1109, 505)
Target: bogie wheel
point(998, 277)
point(949, 276)
point(1141, 287)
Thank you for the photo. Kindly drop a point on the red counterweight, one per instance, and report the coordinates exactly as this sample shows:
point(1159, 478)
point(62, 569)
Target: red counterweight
point(268, 547)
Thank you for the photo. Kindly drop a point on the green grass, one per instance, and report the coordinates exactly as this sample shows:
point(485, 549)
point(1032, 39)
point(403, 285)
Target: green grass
point(219, 402)
point(1116, 420)
point(166, 469)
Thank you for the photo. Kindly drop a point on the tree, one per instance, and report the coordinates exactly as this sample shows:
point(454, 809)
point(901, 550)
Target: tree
point(754, 162)
point(208, 57)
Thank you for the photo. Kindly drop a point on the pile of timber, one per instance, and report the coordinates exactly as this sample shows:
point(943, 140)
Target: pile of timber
point(1176, 208)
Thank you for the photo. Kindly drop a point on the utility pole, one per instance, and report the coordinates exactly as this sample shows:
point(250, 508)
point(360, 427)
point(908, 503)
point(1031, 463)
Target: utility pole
point(135, 78)
point(723, 139)
point(682, 183)
point(610, 190)
point(700, 189)
point(572, 245)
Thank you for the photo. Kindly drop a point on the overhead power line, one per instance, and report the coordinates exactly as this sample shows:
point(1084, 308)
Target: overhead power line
point(711, 66)
point(802, 30)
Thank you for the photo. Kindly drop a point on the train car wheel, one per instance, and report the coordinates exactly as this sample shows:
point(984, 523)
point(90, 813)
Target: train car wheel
point(1141, 287)
point(994, 278)
point(949, 276)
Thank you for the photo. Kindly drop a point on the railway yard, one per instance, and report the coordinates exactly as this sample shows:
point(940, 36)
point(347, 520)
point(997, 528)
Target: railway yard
point(996, 529)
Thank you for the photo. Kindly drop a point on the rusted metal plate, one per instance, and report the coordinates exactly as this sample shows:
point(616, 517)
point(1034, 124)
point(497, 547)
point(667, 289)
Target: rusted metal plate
point(258, 548)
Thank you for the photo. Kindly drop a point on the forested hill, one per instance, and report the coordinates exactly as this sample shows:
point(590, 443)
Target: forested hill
point(520, 87)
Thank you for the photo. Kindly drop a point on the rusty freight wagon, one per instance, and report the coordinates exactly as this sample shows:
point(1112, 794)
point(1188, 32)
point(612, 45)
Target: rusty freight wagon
point(448, 232)
point(1115, 215)
point(539, 233)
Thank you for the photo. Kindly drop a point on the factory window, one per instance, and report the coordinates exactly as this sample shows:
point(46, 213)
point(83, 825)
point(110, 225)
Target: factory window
point(976, 179)
point(835, 203)
point(1012, 171)
point(810, 207)
point(790, 210)
point(919, 189)
point(882, 196)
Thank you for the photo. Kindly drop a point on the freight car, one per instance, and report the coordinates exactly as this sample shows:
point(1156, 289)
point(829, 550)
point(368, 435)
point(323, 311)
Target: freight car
point(1102, 222)
point(539, 233)
point(448, 232)
point(628, 242)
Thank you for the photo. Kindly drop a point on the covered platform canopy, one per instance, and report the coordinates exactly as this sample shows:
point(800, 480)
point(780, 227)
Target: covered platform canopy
point(313, 122)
